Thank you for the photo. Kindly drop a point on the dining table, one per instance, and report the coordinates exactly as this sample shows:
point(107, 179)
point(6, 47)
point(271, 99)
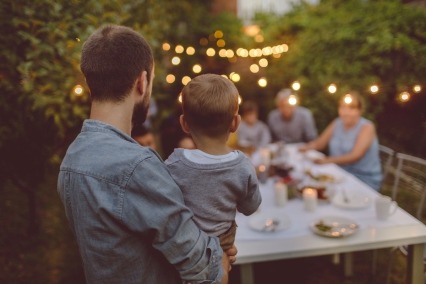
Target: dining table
point(299, 230)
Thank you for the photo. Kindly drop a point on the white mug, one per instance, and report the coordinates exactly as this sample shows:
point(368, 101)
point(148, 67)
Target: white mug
point(385, 207)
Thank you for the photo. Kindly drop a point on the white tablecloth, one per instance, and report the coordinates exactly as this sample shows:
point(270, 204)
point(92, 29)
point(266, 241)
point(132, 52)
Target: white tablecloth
point(300, 219)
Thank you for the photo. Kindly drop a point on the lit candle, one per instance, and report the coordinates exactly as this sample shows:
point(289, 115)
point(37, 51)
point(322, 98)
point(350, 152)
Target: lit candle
point(281, 194)
point(310, 197)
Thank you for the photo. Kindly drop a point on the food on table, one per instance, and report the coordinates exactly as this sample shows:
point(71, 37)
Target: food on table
point(321, 177)
point(323, 227)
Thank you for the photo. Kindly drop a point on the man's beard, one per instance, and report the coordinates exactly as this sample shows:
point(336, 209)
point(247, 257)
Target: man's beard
point(140, 111)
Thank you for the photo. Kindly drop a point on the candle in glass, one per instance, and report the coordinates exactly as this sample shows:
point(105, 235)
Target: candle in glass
point(281, 194)
point(310, 197)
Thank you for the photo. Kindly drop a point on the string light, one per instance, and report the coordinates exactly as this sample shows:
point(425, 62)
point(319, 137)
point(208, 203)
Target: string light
point(254, 68)
point(166, 46)
point(374, 89)
point(179, 49)
point(262, 82)
point(186, 80)
point(404, 96)
point(170, 78)
point(78, 90)
point(235, 77)
point(292, 100)
point(332, 88)
point(190, 50)
point(417, 88)
point(263, 62)
point(196, 68)
point(175, 60)
point(347, 99)
point(295, 86)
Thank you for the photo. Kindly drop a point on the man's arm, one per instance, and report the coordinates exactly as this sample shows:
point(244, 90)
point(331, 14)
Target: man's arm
point(155, 208)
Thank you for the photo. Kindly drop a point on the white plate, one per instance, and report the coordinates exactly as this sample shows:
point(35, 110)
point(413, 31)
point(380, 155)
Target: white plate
point(355, 201)
point(313, 155)
point(269, 220)
point(324, 177)
point(334, 227)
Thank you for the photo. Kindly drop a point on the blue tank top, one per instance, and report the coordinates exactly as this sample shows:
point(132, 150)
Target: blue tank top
point(368, 168)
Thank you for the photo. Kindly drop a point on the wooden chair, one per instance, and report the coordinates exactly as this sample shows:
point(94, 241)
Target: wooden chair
point(409, 190)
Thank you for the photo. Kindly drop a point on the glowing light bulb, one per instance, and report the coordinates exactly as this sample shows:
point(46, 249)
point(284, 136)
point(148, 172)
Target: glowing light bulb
point(254, 68)
point(166, 46)
point(417, 88)
point(292, 100)
point(295, 86)
point(175, 60)
point(374, 89)
point(348, 99)
point(78, 90)
point(262, 82)
point(170, 78)
point(196, 68)
point(332, 88)
point(186, 80)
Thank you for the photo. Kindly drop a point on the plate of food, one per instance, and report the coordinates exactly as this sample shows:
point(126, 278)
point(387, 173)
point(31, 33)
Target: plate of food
point(269, 221)
point(324, 177)
point(349, 200)
point(313, 155)
point(334, 227)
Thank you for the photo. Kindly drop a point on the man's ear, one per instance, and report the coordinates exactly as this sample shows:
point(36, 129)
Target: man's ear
point(183, 124)
point(235, 123)
point(142, 83)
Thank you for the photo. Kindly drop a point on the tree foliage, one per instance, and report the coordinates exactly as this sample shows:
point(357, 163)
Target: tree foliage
point(353, 44)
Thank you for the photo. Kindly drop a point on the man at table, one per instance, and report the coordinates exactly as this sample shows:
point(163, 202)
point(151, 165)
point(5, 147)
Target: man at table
point(291, 123)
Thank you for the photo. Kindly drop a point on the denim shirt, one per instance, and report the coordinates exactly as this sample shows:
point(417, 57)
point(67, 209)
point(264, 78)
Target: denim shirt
point(128, 215)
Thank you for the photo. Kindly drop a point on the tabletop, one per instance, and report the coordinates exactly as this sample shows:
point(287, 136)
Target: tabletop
point(297, 239)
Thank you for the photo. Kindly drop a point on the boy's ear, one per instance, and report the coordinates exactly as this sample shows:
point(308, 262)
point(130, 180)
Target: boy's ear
point(183, 124)
point(235, 123)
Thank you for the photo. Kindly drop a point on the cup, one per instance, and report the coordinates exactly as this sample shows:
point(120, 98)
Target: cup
point(385, 207)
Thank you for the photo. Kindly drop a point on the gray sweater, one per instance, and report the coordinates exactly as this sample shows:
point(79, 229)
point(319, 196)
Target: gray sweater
point(215, 191)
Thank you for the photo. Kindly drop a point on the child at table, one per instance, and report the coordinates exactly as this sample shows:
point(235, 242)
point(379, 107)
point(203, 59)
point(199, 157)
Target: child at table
point(215, 180)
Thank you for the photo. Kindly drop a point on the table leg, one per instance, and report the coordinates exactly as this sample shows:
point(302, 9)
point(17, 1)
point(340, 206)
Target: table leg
point(246, 273)
point(415, 266)
point(348, 265)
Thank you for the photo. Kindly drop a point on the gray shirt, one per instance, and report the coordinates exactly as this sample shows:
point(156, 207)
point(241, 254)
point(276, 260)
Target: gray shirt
point(256, 135)
point(300, 128)
point(215, 191)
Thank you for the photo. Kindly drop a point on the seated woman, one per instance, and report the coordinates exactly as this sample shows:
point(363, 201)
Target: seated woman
point(352, 142)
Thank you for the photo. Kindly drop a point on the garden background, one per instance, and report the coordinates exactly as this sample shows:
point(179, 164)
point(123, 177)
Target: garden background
point(353, 44)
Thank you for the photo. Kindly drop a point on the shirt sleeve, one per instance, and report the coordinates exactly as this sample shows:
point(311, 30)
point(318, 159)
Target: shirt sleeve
point(310, 129)
point(252, 200)
point(154, 207)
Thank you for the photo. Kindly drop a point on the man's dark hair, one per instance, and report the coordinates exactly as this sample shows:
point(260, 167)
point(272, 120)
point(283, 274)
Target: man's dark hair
point(112, 58)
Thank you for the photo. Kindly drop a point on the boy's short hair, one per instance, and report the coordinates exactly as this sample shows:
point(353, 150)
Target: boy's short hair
point(209, 104)
point(112, 59)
